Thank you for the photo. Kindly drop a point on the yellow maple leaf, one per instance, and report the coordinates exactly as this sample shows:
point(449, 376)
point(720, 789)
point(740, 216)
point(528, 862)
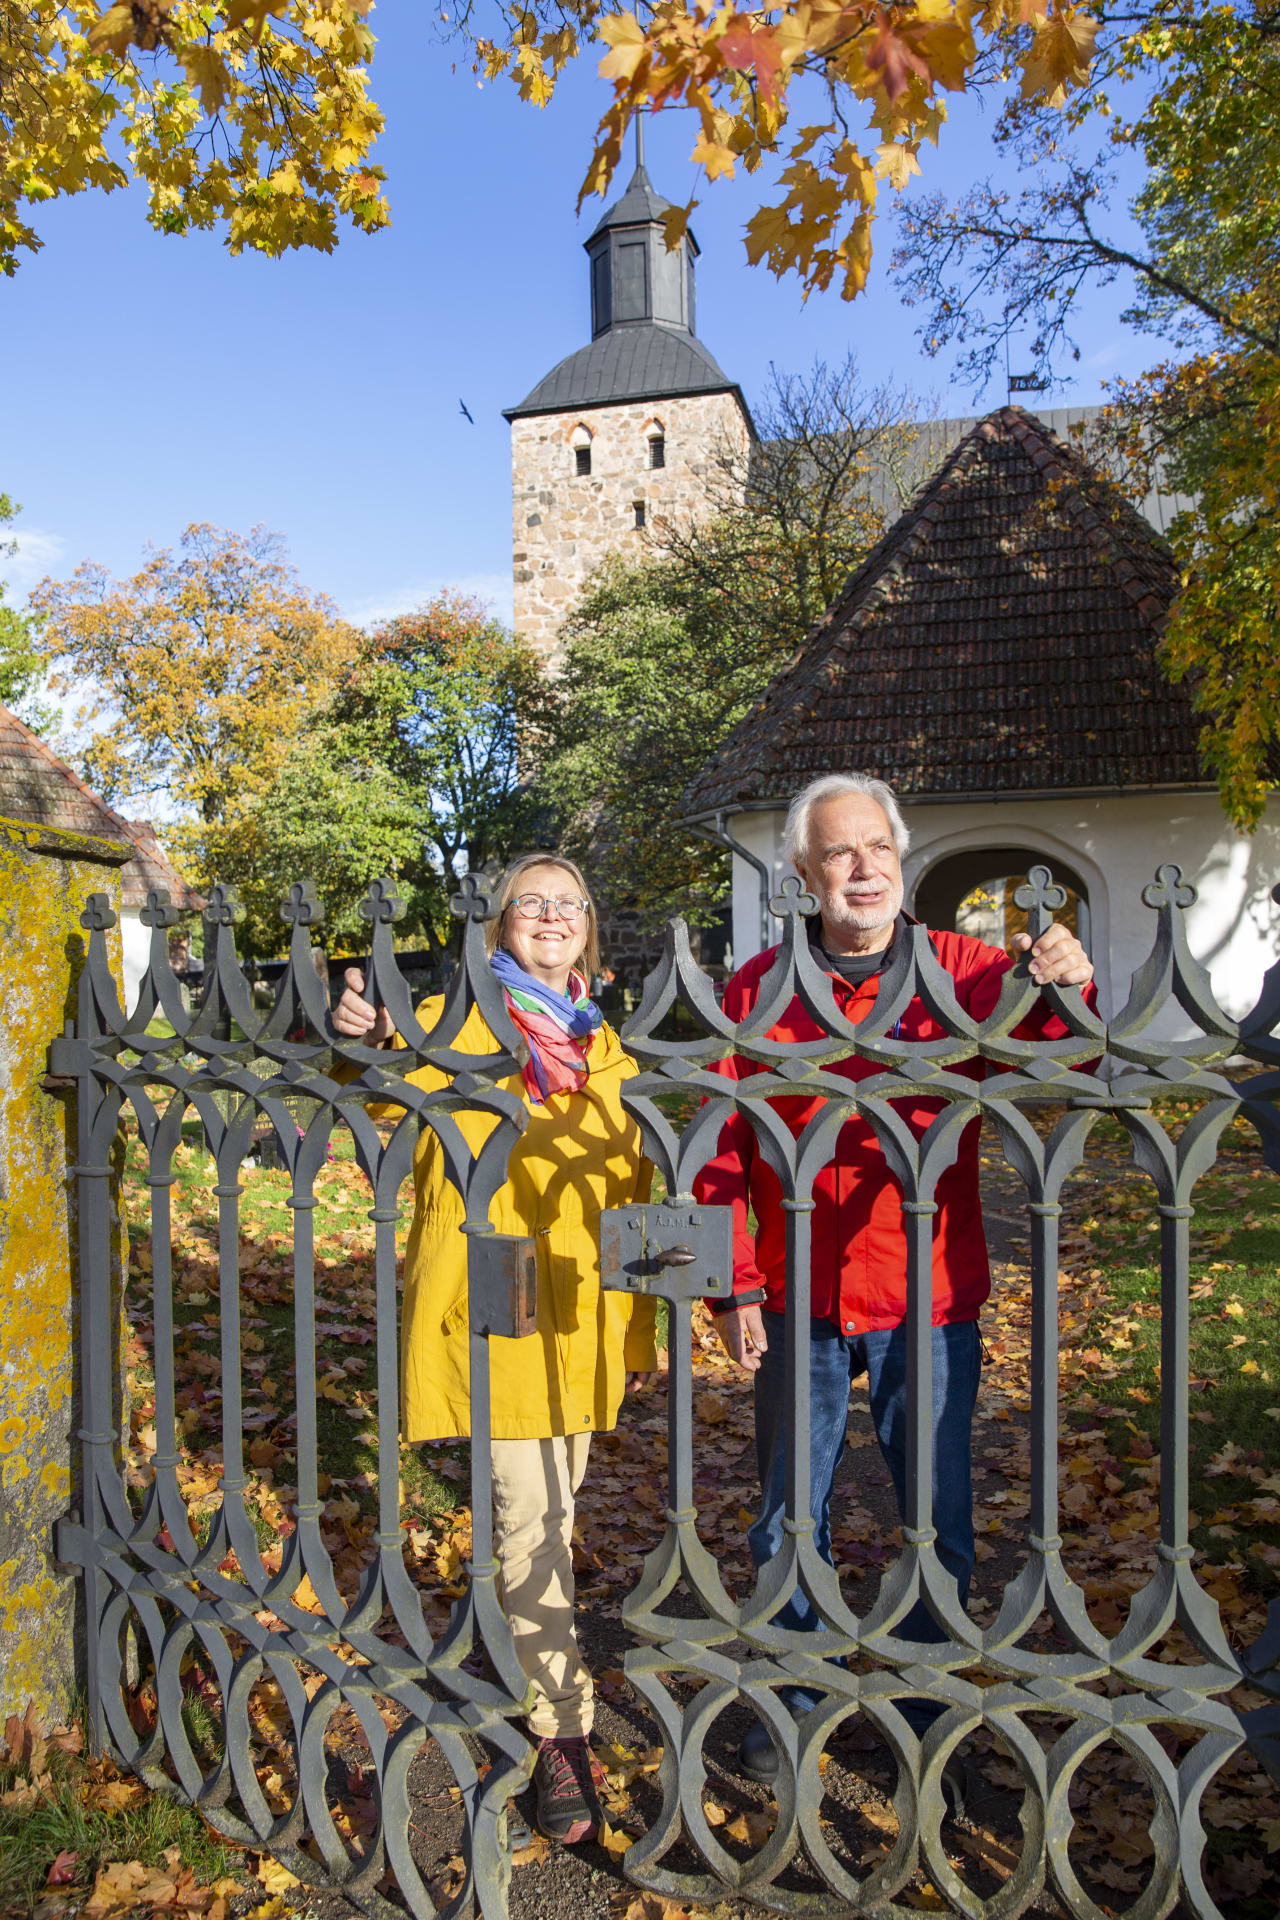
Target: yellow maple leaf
point(1059, 56)
point(896, 163)
point(717, 160)
point(276, 1877)
point(628, 46)
point(206, 72)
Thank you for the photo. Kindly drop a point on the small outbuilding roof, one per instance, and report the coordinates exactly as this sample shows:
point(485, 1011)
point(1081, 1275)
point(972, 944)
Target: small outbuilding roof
point(999, 640)
point(635, 360)
point(150, 870)
point(38, 788)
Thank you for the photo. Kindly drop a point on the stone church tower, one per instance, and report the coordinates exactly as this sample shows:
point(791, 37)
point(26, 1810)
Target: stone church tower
point(624, 432)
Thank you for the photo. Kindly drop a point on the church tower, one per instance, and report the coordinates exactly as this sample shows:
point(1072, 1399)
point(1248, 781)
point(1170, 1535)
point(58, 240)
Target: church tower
point(626, 431)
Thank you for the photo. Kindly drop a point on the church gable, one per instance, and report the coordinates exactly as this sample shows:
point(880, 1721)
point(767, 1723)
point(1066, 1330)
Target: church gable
point(1000, 639)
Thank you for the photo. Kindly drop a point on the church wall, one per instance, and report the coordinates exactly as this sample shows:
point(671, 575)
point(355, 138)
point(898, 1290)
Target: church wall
point(564, 526)
point(1115, 842)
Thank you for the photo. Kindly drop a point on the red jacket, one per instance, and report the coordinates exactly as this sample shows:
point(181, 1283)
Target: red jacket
point(859, 1247)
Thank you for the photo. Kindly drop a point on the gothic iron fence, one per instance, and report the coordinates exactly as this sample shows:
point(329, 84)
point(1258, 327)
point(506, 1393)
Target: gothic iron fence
point(156, 1594)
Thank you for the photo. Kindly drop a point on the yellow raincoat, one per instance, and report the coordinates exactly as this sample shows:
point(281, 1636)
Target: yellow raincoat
point(579, 1153)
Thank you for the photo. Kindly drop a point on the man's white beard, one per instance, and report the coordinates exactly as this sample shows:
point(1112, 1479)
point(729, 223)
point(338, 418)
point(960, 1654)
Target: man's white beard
point(841, 909)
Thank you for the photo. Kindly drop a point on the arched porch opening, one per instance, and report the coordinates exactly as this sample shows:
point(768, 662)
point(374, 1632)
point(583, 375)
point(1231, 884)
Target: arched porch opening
point(972, 892)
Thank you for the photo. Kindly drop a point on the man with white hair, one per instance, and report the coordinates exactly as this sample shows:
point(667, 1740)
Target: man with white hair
point(846, 837)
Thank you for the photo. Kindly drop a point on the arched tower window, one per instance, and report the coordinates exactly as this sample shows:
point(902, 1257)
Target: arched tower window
point(580, 447)
point(656, 438)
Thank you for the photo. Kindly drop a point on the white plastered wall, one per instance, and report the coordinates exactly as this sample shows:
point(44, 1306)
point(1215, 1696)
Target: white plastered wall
point(1115, 843)
point(135, 951)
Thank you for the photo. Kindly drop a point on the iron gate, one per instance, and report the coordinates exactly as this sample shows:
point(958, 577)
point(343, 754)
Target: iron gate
point(152, 1586)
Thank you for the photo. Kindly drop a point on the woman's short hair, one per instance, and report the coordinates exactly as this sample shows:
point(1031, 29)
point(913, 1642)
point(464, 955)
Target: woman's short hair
point(588, 961)
point(834, 786)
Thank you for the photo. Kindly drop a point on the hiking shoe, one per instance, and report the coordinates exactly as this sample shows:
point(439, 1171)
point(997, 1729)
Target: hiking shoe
point(565, 1778)
point(757, 1755)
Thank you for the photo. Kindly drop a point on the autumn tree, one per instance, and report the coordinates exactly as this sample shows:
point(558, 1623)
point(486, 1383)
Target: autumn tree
point(254, 115)
point(249, 116)
point(196, 674)
point(844, 93)
point(1193, 92)
point(411, 767)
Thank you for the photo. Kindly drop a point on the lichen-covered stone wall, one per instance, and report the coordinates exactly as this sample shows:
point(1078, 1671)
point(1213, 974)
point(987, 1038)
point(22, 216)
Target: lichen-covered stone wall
point(564, 525)
point(45, 879)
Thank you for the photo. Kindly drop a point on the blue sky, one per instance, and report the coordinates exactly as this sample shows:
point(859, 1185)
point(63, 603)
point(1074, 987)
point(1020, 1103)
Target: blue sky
point(152, 380)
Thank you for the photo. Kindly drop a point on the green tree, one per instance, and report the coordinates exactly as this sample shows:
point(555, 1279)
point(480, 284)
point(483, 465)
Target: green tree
point(411, 767)
point(21, 668)
point(652, 675)
point(1193, 91)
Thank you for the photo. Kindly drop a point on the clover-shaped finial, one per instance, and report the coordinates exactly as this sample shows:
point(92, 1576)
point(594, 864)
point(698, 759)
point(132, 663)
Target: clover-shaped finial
point(792, 899)
point(382, 904)
point(300, 908)
point(98, 914)
point(1040, 892)
point(159, 910)
point(1168, 889)
point(471, 901)
point(222, 908)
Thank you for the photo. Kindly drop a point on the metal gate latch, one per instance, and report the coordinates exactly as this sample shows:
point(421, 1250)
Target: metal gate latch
point(680, 1253)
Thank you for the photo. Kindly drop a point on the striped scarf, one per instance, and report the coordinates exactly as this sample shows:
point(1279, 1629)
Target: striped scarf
point(557, 1027)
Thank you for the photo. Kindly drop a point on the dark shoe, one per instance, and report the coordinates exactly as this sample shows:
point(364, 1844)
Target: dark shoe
point(564, 1779)
point(757, 1755)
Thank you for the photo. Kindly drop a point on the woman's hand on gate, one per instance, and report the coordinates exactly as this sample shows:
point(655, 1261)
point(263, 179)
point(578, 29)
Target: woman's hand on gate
point(742, 1331)
point(354, 1018)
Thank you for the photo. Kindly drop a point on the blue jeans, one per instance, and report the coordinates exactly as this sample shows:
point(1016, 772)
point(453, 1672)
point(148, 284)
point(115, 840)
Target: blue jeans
point(836, 1359)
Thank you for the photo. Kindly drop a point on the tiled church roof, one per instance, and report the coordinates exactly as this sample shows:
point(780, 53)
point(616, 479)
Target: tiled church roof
point(41, 791)
point(37, 787)
point(1000, 639)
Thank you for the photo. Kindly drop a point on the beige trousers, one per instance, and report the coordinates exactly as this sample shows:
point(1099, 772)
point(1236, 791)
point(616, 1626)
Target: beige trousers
point(534, 1482)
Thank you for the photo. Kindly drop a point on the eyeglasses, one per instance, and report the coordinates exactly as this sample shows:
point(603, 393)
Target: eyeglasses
point(532, 906)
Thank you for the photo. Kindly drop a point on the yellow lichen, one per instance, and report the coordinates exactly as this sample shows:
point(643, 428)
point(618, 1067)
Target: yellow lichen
point(45, 880)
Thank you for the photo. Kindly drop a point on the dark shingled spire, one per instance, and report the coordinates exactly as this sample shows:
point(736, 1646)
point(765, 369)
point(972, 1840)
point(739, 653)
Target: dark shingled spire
point(642, 314)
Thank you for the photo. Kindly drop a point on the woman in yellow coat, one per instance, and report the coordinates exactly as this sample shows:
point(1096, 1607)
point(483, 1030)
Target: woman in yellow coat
point(579, 1153)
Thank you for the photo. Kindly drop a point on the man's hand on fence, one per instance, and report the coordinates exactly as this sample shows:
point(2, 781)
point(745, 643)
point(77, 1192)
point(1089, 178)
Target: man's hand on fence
point(354, 1018)
point(1057, 958)
point(742, 1331)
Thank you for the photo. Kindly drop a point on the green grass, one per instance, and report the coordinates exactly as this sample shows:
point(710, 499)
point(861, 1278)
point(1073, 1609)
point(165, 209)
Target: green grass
point(33, 1835)
point(1234, 1338)
point(346, 1318)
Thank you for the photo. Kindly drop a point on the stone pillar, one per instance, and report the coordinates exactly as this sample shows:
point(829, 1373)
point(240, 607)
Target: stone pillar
point(46, 875)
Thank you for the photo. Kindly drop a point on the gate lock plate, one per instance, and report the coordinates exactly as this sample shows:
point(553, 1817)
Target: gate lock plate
point(680, 1253)
point(502, 1283)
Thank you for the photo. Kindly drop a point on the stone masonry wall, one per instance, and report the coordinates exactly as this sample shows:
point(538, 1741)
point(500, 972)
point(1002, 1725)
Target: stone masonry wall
point(45, 880)
point(564, 526)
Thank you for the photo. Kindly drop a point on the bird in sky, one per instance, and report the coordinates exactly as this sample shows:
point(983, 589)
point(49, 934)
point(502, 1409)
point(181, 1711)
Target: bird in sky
point(465, 410)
